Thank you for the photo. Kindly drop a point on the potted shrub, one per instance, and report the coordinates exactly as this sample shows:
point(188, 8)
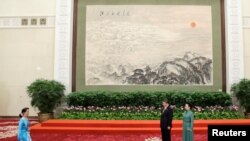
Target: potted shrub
point(45, 95)
point(242, 92)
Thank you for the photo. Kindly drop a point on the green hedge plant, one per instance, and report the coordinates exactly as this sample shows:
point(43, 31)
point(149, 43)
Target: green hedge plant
point(141, 98)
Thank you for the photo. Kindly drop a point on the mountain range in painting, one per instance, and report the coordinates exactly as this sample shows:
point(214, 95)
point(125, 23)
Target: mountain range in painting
point(191, 69)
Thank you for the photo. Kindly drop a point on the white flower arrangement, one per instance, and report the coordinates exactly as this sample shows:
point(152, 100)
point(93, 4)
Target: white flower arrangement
point(153, 139)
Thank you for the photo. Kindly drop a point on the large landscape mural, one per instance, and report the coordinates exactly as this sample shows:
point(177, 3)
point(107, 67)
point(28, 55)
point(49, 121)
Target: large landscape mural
point(148, 45)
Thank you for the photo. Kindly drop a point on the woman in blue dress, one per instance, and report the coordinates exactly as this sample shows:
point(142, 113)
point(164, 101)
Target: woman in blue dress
point(188, 122)
point(23, 126)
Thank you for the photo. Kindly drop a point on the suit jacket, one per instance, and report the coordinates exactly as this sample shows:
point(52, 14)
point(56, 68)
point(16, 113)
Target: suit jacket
point(166, 118)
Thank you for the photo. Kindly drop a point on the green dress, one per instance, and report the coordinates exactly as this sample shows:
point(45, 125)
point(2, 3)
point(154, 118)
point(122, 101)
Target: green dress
point(187, 126)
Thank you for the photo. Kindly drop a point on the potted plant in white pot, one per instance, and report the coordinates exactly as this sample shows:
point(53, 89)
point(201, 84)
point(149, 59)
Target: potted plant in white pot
point(45, 95)
point(242, 92)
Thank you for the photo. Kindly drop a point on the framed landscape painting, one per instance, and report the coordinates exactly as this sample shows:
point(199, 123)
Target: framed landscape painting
point(149, 45)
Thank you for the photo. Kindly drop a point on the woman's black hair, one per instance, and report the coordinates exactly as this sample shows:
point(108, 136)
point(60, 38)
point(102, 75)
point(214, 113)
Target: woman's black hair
point(189, 105)
point(23, 111)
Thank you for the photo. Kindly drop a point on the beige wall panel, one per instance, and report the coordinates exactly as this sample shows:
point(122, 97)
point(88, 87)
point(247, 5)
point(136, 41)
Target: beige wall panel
point(25, 54)
point(27, 7)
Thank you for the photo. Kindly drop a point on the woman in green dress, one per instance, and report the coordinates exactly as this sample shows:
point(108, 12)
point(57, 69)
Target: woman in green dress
point(188, 122)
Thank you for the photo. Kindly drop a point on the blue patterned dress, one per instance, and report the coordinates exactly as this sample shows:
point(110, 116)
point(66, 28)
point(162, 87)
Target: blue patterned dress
point(23, 130)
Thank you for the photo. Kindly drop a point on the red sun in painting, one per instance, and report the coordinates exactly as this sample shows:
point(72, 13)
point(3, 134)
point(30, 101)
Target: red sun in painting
point(193, 24)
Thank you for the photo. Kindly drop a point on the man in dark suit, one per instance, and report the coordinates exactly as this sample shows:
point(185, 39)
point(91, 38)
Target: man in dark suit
point(166, 121)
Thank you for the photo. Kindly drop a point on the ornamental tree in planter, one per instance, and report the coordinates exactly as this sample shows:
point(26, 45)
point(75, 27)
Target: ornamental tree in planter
point(45, 95)
point(242, 92)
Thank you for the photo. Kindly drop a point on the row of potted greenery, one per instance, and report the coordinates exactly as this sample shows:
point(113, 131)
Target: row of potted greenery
point(147, 98)
point(146, 113)
point(46, 95)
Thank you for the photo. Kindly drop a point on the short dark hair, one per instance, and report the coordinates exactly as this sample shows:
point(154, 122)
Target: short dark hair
point(24, 110)
point(165, 100)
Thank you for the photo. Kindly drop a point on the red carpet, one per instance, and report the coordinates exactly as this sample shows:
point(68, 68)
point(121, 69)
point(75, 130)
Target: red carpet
point(104, 130)
point(8, 128)
point(102, 137)
point(124, 126)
